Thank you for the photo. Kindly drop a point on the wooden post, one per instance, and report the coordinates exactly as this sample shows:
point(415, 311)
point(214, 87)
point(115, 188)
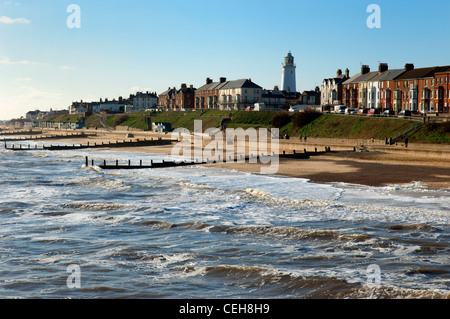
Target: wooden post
point(117, 163)
point(140, 163)
point(87, 161)
point(129, 163)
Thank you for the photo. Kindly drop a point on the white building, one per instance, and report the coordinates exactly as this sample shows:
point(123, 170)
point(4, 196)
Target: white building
point(331, 89)
point(288, 76)
point(239, 94)
point(143, 101)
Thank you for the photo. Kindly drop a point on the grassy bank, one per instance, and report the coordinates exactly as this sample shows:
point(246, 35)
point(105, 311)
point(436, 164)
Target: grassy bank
point(324, 126)
point(432, 133)
point(335, 126)
point(210, 119)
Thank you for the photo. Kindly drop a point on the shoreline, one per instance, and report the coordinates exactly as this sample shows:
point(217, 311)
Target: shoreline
point(378, 167)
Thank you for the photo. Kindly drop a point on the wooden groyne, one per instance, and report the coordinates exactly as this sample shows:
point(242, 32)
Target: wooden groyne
point(9, 133)
point(151, 164)
point(47, 137)
point(123, 143)
point(307, 154)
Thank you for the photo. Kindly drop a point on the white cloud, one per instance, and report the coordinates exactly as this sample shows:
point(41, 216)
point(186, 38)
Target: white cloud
point(11, 3)
point(66, 67)
point(7, 61)
point(8, 20)
point(16, 102)
point(22, 80)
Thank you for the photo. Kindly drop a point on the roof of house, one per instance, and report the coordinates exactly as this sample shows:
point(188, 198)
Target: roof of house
point(186, 90)
point(338, 79)
point(367, 77)
point(417, 73)
point(444, 69)
point(242, 83)
point(212, 86)
point(274, 94)
point(388, 75)
point(170, 92)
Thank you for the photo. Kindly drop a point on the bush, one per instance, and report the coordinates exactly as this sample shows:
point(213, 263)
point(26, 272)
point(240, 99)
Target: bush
point(301, 119)
point(445, 127)
point(120, 119)
point(281, 119)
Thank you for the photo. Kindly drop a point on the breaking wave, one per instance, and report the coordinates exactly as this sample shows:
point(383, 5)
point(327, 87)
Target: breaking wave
point(276, 281)
point(95, 207)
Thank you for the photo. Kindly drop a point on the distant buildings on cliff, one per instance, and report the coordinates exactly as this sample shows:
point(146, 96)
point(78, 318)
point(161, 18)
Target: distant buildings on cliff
point(424, 90)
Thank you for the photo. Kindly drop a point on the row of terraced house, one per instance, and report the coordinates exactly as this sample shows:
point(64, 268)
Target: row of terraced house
point(423, 90)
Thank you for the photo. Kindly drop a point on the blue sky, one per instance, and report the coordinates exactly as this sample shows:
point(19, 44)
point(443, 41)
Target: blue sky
point(126, 46)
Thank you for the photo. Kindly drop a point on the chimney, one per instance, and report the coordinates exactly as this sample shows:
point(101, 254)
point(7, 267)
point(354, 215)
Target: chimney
point(347, 73)
point(383, 67)
point(365, 69)
point(339, 72)
point(250, 80)
point(409, 66)
point(208, 81)
point(223, 80)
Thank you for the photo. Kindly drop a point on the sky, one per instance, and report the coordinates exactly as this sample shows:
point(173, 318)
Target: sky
point(122, 47)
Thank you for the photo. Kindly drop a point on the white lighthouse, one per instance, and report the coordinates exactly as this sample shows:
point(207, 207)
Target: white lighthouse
point(288, 76)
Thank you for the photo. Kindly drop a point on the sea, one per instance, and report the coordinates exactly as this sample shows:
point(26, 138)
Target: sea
point(68, 230)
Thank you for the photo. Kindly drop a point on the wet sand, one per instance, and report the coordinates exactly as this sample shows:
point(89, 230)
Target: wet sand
point(373, 168)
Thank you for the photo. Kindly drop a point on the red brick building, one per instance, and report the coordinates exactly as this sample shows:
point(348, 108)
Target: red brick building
point(207, 96)
point(185, 97)
point(424, 90)
point(167, 99)
point(441, 96)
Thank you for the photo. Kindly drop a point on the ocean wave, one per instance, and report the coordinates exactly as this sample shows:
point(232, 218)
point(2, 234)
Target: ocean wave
point(391, 292)
point(352, 211)
point(95, 206)
point(291, 233)
point(310, 286)
point(101, 183)
point(169, 225)
point(281, 232)
point(420, 227)
point(195, 186)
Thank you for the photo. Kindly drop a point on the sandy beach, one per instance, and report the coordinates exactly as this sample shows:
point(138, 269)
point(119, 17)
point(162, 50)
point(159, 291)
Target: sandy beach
point(376, 167)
